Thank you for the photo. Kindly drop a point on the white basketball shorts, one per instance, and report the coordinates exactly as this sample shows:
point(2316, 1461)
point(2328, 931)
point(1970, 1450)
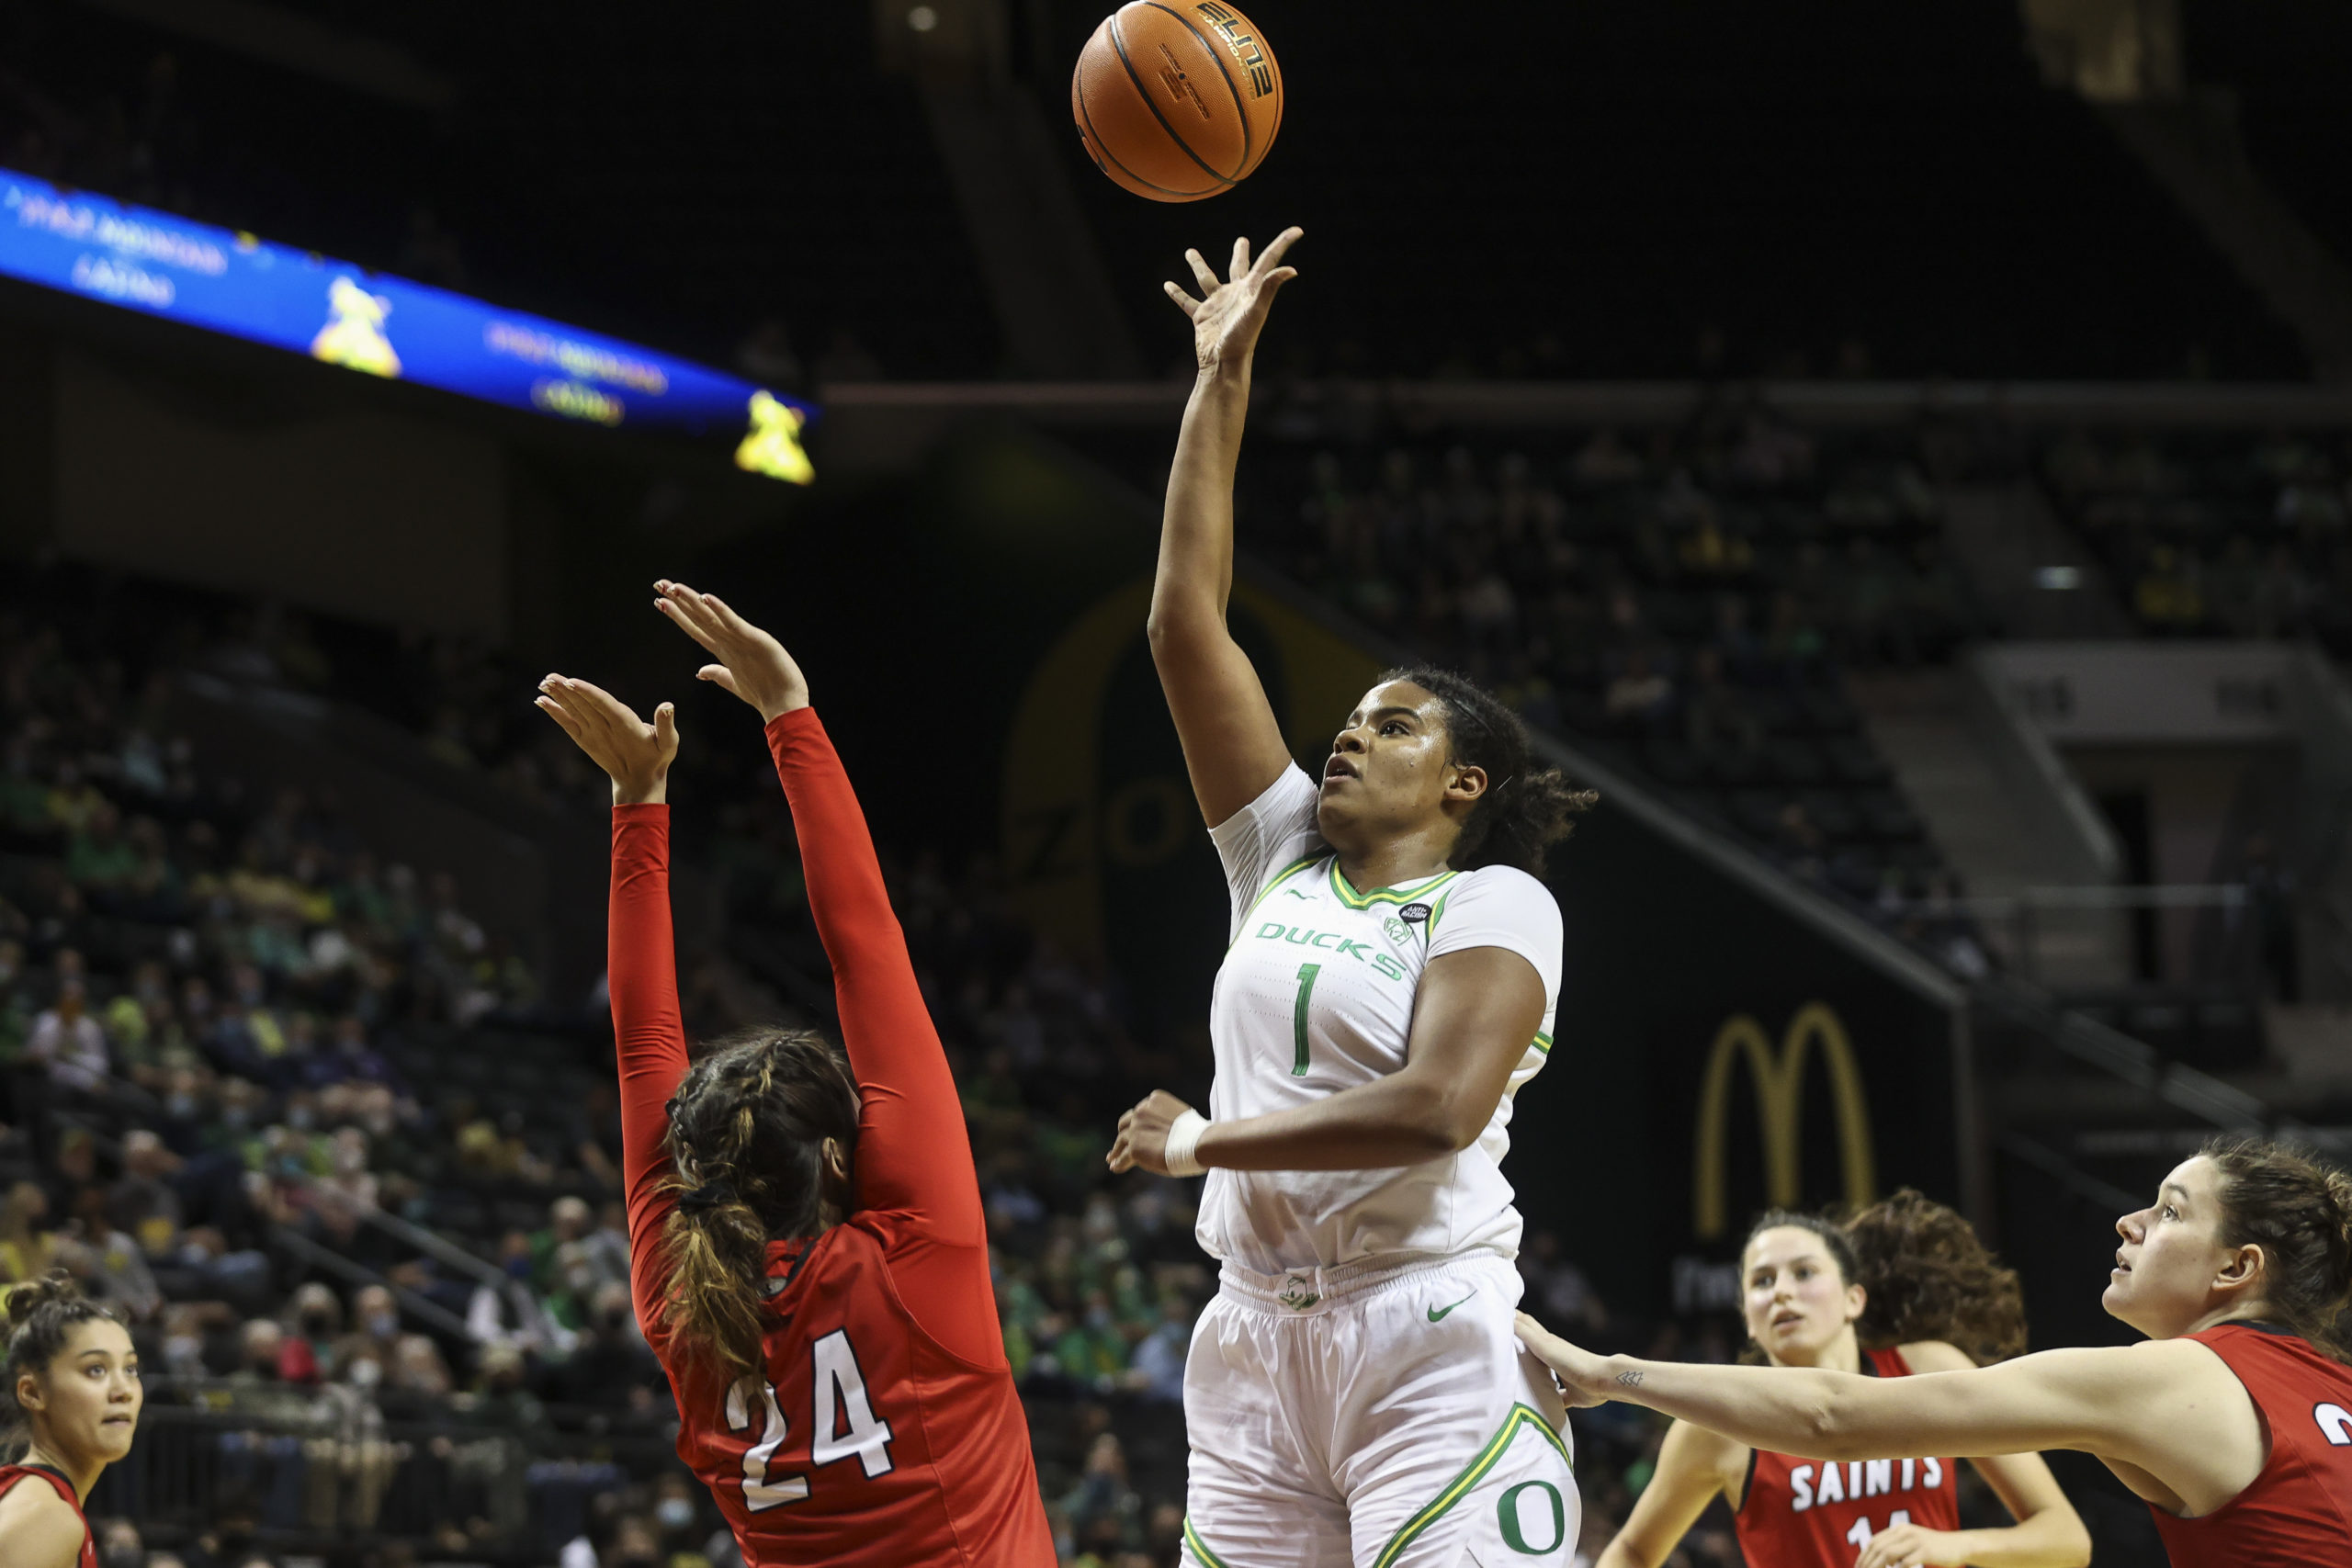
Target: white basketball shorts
point(1379, 1414)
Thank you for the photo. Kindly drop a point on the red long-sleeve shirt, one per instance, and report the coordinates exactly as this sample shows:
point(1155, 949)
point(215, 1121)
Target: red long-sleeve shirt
point(883, 1428)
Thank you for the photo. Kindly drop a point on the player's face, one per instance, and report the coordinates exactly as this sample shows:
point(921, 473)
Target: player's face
point(1797, 1302)
point(1390, 767)
point(87, 1399)
point(2171, 1254)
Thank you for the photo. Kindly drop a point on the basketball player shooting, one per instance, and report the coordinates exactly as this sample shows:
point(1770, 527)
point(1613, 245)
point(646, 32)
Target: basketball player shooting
point(1354, 1396)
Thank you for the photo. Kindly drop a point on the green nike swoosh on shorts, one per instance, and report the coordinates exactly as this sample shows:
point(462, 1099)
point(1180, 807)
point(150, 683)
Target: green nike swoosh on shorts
point(1438, 1314)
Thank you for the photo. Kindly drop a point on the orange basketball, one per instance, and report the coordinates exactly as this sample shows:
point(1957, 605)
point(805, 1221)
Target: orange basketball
point(1177, 99)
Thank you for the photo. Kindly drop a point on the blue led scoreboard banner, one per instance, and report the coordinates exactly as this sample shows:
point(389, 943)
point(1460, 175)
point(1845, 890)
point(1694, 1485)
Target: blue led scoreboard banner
point(379, 325)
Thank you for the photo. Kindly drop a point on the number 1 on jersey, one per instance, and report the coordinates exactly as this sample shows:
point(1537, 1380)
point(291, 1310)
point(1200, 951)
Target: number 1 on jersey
point(1306, 973)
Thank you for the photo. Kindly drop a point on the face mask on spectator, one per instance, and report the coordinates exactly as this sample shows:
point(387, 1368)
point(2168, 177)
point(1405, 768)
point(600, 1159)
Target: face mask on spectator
point(675, 1513)
point(123, 1557)
point(184, 1353)
point(383, 1325)
point(301, 1117)
point(365, 1373)
point(519, 1268)
point(180, 1107)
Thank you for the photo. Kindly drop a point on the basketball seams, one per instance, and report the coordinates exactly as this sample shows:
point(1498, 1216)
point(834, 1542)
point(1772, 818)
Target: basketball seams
point(1155, 142)
point(1216, 57)
point(1095, 143)
point(1119, 43)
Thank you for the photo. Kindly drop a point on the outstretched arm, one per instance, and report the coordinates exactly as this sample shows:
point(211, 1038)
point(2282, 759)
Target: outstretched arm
point(913, 1161)
point(2167, 1409)
point(640, 958)
point(1233, 748)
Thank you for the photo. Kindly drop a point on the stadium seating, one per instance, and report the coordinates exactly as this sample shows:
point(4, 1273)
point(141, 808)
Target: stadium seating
point(2216, 534)
point(291, 1076)
point(1682, 604)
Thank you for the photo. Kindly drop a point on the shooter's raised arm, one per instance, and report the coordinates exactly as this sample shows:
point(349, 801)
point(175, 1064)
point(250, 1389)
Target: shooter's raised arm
point(1232, 747)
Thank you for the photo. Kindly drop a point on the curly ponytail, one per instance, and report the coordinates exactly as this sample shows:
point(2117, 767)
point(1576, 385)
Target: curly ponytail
point(1525, 809)
point(1924, 1275)
point(1928, 1277)
point(746, 1143)
point(43, 1314)
point(2300, 1213)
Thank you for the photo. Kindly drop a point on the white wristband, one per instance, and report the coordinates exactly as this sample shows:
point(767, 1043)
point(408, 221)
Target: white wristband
point(1184, 1138)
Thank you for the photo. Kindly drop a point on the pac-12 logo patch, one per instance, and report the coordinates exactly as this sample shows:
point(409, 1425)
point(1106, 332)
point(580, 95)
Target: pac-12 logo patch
point(1414, 914)
point(1397, 929)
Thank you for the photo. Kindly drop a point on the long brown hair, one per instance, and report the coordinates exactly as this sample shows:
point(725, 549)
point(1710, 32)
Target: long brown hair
point(746, 1146)
point(1924, 1275)
point(2300, 1213)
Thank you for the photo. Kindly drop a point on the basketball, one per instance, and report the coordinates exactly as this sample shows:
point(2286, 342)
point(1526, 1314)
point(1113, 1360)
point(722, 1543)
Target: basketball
point(1177, 101)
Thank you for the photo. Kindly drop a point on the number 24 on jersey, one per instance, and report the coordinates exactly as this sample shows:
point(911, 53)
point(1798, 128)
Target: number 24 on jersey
point(842, 1424)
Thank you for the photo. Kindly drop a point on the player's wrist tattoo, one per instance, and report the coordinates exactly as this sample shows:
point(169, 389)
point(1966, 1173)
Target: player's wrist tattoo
point(1630, 1378)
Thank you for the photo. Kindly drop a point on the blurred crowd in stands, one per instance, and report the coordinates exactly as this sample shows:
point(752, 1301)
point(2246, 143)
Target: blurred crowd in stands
point(351, 1177)
point(350, 1169)
point(2210, 535)
point(1683, 600)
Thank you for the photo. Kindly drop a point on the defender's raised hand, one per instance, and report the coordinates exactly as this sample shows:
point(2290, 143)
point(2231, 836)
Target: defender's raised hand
point(637, 755)
point(1230, 312)
point(751, 664)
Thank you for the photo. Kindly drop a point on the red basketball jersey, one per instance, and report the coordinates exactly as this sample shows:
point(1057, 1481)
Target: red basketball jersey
point(2299, 1510)
point(12, 1473)
point(882, 1429)
point(863, 1439)
point(1805, 1513)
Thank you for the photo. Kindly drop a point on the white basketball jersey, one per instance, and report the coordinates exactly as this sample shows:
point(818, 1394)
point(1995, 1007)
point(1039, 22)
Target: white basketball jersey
point(1314, 996)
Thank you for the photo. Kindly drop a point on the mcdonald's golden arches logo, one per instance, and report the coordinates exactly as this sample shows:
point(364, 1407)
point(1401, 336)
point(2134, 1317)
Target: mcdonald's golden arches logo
point(1780, 1112)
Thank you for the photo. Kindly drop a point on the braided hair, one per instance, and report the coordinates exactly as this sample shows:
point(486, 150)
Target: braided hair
point(746, 1143)
point(1526, 809)
point(42, 1316)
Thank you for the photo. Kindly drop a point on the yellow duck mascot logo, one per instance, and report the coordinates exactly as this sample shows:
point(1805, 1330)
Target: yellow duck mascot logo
point(774, 445)
point(353, 337)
